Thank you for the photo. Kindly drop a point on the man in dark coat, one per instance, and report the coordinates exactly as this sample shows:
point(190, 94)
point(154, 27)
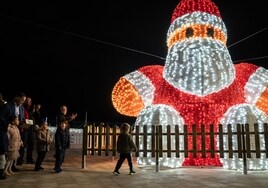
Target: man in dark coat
point(9, 109)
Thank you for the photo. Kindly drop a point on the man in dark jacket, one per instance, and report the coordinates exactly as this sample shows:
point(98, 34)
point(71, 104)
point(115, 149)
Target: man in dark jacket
point(3, 140)
point(9, 109)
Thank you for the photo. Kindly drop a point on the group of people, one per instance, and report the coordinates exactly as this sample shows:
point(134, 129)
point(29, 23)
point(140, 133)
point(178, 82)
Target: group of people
point(23, 128)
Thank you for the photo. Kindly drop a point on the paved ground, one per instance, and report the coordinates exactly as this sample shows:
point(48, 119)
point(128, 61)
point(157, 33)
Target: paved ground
point(99, 174)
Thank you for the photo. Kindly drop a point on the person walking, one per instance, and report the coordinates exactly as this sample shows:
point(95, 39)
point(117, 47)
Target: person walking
point(43, 141)
point(125, 146)
point(62, 142)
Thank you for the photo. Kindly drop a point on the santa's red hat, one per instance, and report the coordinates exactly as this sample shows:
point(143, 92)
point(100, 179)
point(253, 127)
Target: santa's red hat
point(189, 6)
point(199, 15)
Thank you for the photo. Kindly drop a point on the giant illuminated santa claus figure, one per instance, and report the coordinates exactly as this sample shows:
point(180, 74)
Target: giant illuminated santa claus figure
point(199, 84)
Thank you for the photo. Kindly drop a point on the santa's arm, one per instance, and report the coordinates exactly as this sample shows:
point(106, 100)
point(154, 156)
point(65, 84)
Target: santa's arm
point(132, 93)
point(256, 89)
point(126, 99)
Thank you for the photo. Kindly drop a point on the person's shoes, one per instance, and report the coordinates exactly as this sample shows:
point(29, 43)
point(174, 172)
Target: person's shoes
point(132, 172)
point(2, 177)
point(57, 170)
point(41, 168)
point(116, 173)
point(37, 169)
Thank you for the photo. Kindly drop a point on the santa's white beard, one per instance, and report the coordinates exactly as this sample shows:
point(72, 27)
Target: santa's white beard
point(199, 66)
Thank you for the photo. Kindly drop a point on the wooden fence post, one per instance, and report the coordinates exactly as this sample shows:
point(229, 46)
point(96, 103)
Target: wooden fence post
point(157, 149)
point(244, 150)
point(85, 145)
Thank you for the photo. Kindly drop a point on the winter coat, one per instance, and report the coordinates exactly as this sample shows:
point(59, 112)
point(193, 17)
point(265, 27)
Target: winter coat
point(43, 140)
point(62, 139)
point(125, 143)
point(14, 138)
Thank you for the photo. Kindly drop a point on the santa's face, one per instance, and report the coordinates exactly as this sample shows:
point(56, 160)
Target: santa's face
point(199, 66)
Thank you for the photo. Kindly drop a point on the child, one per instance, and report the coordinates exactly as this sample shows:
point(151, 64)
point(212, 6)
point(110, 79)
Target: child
point(43, 141)
point(62, 142)
point(125, 145)
point(14, 144)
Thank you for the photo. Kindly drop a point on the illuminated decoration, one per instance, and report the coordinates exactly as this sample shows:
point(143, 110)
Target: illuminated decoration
point(199, 84)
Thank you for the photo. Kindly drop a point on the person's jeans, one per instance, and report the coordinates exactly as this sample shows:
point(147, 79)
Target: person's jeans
point(40, 158)
point(60, 155)
point(121, 159)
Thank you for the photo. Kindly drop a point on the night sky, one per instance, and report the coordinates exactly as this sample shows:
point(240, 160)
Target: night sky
point(73, 53)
